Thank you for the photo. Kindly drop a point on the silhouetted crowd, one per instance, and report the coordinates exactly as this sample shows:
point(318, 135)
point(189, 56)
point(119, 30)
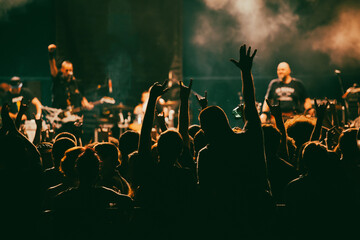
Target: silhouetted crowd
point(298, 179)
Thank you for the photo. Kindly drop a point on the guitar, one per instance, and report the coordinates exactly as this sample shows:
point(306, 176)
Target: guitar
point(101, 101)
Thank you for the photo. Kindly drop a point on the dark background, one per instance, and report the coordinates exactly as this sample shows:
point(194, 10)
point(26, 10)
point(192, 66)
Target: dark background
point(136, 43)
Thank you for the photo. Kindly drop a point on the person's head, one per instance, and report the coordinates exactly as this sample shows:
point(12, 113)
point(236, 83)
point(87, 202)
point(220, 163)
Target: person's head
point(348, 143)
point(193, 129)
point(300, 129)
point(87, 166)
point(214, 123)
point(109, 154)
point(128, 142)
point(15, 85)
point(283, 71)
point(67, 164)
point(66, 69)
point(66, 134)
point(59, 148)
point(169, 146)
point(315, 158)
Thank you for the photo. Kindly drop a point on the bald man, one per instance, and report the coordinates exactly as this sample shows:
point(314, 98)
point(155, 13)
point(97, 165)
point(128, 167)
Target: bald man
point(289, 91)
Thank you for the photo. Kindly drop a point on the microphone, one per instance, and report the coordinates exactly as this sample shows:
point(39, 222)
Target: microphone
point(71, 76)
point(337, 71)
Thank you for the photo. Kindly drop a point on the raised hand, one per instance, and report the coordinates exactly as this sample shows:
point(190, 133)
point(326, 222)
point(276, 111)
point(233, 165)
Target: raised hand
point(274, 109)
point(51, 48)
point(246, 60)
point(184, 90)
point(160, 119)
point(320, 108)
point(203, 101)
point(157, 89)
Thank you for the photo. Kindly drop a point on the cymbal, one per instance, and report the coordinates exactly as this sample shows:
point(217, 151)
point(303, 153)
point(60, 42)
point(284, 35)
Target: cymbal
point(120, 107)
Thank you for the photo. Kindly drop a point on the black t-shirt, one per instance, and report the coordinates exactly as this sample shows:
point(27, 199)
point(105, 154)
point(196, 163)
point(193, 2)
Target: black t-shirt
point(292, 95)
point(14, 101)
point(63, 91)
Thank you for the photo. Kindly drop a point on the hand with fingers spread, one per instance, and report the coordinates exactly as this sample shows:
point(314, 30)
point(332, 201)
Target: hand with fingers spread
point(203, 101)
point(246, 60)
point(184, 90)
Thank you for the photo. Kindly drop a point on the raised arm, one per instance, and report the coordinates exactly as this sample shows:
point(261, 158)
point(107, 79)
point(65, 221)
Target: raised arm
point(37, 105)
point(156, 90)
point(320, 115)
point(184, 113)
point(276, 112)
point(245, 64)
point(253, 125)
point(52, 61)
point(23, 107)
point(203, 101)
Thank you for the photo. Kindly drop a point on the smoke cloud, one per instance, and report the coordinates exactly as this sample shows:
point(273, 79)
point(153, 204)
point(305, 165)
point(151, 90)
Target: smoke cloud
point(7, 5)
point(272, 26)
point(253, 21)
point(340, 39)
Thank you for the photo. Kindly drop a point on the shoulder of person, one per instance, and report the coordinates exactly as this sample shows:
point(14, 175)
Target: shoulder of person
point(273, 81)
point(296, 80)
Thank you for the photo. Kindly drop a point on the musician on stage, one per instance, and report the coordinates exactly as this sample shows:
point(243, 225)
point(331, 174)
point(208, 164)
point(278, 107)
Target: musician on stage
point(289, 91)
point(17, 94)
point(65, 89)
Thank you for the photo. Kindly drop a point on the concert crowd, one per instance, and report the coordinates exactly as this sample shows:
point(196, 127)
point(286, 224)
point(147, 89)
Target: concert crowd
point(277, 177)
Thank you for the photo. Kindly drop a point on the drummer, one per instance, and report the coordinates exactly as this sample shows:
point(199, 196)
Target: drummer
point(18, 93)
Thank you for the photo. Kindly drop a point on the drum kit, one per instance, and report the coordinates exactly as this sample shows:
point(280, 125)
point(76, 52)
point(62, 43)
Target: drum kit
point(112, 117)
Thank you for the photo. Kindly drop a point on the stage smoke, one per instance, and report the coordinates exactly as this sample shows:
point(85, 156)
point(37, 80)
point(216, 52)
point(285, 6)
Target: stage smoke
point(7, 5)
point(340, 38)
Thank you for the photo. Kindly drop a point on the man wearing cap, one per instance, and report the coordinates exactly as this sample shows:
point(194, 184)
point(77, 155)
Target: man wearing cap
point(65, 90)
point(18, 93)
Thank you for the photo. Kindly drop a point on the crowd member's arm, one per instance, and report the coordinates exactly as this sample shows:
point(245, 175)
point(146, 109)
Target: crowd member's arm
point(20, 115)
point(160, 119)
point(37, 138)
point(156, 90)
point(245, 64)
point(52, 62)
point(276, 112)
point(320, 115)
point(203, 101)
point(252, 124)
point(37, 105)
point(187, 158)
point(308, 107)
point(184, 113)
point(265, 112)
